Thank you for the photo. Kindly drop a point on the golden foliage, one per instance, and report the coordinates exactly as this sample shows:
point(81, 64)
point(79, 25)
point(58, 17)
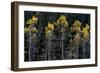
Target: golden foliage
point(85, 32)
point(77, 23)
point(87, 27)
point(33, 20)
point(76, 26)
point(34, 30)
point(62, 20)
point(55, 23)
point(49, 28)
point(77, 37)
point(29, 21)
point(26, 30)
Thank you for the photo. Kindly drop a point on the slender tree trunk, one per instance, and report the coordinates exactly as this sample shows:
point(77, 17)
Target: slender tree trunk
point(76, 51)
point(46, 54)
point(30, 39)
point(49, 46)
point(84, 50)
point(33, 49)
point(62, 46)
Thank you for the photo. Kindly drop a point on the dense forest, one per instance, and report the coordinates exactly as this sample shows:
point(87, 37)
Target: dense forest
point(56, 36)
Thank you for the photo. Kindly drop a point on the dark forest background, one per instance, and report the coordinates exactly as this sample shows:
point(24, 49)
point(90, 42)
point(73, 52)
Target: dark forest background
point(39, 51)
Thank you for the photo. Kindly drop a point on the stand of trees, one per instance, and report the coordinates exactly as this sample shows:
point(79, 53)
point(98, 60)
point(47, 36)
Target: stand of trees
point(56, 36)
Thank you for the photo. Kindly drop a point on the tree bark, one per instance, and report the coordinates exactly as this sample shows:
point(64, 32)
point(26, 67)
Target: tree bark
point(30, 39)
